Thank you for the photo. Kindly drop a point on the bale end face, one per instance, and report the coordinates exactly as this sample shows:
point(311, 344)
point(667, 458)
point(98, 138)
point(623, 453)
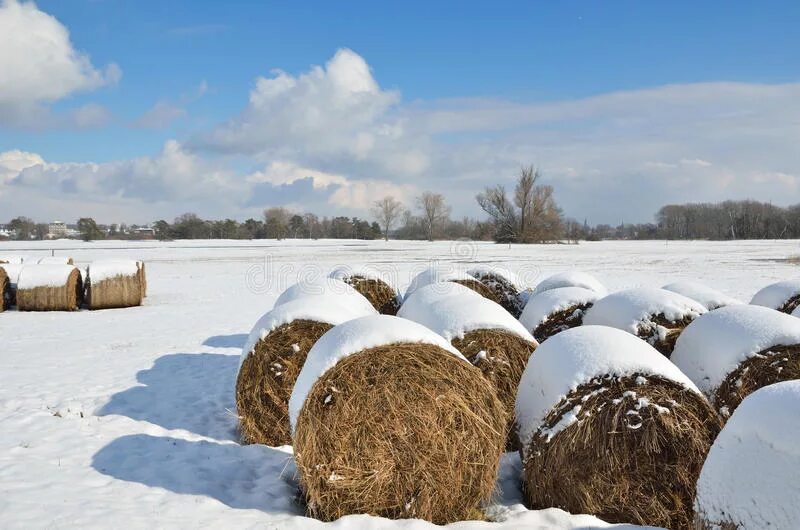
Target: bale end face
point(400, 431)
point(561, 321)
point(504, 292)
point(382, 297)
point(266, 379)
point(479, 288)
point(5, 290)
point(662, 333)
point(790, 304)
point(632, 454)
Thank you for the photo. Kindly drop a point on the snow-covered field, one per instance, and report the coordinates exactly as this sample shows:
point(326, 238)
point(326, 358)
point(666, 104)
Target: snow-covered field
point(125, 416)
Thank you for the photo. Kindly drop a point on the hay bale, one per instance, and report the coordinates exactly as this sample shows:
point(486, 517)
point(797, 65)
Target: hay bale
point(368, 282)
point(325, 287)
point(782, 296)
point(611, 428)
point(733, 351)
point(272, 358)
point(706, 296)
point(12, 271)
point(449, 273)
point(571, 279)
point(556, 310)
point(485, 333)
point(504, 286)
point(142, 278)
point(5, 290)
point(112, 284)
point(390, 420)
point(654, 315)
point(12, 259)
point(55, 260)
point(49, 288)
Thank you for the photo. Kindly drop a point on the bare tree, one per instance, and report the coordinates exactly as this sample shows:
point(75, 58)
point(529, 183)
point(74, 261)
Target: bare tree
point(434, 211)
point(386, 211)
point(524, 197)
point(494, 202)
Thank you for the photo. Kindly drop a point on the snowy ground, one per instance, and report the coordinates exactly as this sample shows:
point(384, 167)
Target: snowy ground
point(125, 415)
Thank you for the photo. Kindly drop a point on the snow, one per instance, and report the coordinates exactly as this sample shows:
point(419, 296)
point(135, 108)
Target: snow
point(540, 306)
point(54, 260)
point(322, 286)
point(352, 337)
point(576, 356)
point(571, 279)
point(106, 269)
point(436, 274)
point(701, 293)
point(716, 343)
point(12, 271)
point(33, 276)
point(626, 309)
point(480, 270)
point(12, 259)
point(776, 294)
point(346, 271)
point(329, 308)
point(452, 310)
point(750, 476)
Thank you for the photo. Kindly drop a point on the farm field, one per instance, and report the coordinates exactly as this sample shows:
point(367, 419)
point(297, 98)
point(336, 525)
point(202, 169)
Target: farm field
point(127, 415)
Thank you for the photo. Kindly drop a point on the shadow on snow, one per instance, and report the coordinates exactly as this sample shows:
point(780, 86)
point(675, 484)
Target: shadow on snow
point(236, 340)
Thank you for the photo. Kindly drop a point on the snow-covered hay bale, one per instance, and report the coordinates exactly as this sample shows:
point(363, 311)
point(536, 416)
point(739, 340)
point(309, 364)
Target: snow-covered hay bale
point(442, 274)
point(325, 287)
point(55, 260)
point(571, 279)
point(12, 271)
point(654, 315)
point(49, 288)
point(113, 283)
point(783, 296)
point(706, 296)
point(272, 358)
point(504, 285)
point(733, 351)
point(556, 310)
point(750, 478)
point(5, 290)
point(610, 427)
point(367, 281)
point(12, 259)
point(485, 333)
point(390, 420)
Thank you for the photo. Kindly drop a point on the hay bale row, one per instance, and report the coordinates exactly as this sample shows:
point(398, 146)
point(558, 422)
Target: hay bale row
point(610, 427)
point(555, 310)
point(369, 283)
point(49, 288)
point(113, 284)
point(390, 420)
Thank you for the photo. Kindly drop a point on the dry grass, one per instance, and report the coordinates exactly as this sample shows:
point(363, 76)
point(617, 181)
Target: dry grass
point(773, 365)
point(790, 304)
point(561, 321)
point(119, 291)
point(266, 378)
point(400, 431)
point(661, 333)
point(624, 460)
point(379, 293)
point(501, 357)
point(479, 288)
point(142, 279)
point(5, 290)
point(503, 291)
point(68, 297)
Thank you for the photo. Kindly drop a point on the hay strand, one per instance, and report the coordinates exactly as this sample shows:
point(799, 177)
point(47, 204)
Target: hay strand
point(65, 297)
point(379, 293)
point(400, 431)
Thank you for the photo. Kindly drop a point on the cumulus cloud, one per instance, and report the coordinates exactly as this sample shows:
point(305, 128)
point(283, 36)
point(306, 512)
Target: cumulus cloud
point(38, 64)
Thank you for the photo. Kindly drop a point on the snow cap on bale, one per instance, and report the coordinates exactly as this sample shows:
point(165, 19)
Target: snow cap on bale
point(374, 286)
point(703, 294)
point(13, 270)
point(476, 271)
point(542, 306)
point(783, 296)
point(439, 273)
point(571, 279)
point(326, 287)
point(750, 478)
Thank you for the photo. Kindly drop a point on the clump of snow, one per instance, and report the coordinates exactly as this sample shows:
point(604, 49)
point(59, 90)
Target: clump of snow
point(540, 306)
point(627, 309)
point(329, 309)
point(324, 287)
point(54, 260)
point(33, 276)
point(346, 271)
point(12, 259)
point(571, 279)
point(97, 271)
point(776, 294)
point(716, 343)
point(452, 310)
point(577, 356)
point(708, 297)
point(436, 274)
point(478, 271)
point(353, 337)
point(750, 477)
point(12, 271)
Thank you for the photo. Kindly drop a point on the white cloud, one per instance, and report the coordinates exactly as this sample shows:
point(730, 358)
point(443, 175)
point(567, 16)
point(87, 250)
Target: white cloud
point(38, 64)
point(159, 116)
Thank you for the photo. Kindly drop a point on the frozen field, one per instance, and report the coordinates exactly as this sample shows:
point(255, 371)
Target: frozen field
point(125, 416)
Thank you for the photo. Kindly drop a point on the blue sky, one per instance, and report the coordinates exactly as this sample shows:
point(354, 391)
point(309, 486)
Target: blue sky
point(610, 99)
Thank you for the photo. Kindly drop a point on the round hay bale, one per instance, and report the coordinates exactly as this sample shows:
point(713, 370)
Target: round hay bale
point(503, 284)
point(49, 288)
point(782, 296)
point(556, 310)
point(571, 279)
point(732, 351)
point(12, 270)
point(611, 428)
point(112, 284)
point(324, 287)
point(367, 281)
point(448, 273)
point(483, 331)
point(12, 259)
point(750, 478)
point(142, 278)
point(390, 420)
point(5, 290)
point(55, 260)
point(706, 296)
point(271, 359)
point(654, 315)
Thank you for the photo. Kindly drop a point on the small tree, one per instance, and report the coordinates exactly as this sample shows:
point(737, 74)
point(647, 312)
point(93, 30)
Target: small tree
point(162, 229)
point(88, 229)
point(23, 227)
point(386, 212)
point(434, 211)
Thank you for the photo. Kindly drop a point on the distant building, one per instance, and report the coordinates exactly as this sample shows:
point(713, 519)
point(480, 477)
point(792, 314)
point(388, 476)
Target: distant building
point(57, 229)
point(6, 233)
point(144, 232)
